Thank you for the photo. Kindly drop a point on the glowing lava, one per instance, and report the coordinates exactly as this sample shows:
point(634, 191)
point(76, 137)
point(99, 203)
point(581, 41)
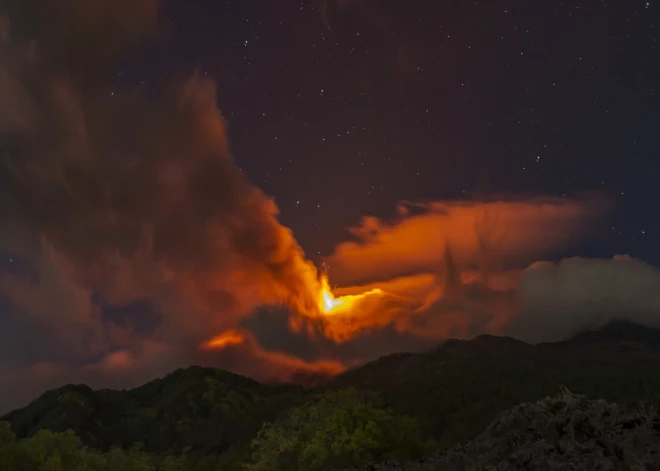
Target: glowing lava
point(231, 337)
point(345, 316)
point(329, 305)
point(327, 301)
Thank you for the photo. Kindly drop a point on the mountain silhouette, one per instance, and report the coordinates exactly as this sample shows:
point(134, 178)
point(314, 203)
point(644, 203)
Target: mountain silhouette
point(454, 391)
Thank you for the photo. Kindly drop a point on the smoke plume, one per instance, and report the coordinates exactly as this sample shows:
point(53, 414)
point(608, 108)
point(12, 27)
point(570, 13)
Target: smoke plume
point(130, 231)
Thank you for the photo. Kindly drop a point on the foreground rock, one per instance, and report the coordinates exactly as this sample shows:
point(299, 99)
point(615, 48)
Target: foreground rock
point(563, 432)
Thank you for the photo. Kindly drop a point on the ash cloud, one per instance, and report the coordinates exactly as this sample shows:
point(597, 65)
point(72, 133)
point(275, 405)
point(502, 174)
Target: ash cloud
point(493, 235)
point(110, 200)
point(470, 268)
point(443, 270)
point(561, 299)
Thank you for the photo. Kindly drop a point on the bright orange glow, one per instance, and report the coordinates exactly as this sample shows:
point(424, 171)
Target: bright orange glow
point(346, 316)
point(231, 337)
point(329, 305)
point(327, 301)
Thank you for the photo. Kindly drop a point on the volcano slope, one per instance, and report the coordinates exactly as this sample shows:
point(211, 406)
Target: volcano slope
point(454, 392)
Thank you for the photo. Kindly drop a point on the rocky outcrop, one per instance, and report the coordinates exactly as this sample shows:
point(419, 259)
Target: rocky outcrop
point(563, 432)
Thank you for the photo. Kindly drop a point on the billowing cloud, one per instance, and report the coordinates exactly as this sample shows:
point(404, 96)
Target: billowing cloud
point(130, 231)
point(560, 299)
point(490, 234)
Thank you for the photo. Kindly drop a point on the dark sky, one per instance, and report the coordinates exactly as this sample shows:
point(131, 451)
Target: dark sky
point(339, 109)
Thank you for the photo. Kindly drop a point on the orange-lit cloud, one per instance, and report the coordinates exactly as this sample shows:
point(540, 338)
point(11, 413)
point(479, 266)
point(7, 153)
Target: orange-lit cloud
point(130, 223)
point(231, 337)
point(249, 358)
point(489, 234)
point(440, 270)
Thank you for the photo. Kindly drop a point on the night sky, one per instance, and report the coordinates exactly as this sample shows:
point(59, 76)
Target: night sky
point(177, 177)
point(340, 109)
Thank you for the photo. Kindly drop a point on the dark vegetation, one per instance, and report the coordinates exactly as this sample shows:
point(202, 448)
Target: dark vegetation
point(566, 431)
point(456, 390)
point(197, 410)
point(204, 419)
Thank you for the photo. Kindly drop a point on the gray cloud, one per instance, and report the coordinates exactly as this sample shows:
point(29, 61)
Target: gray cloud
point(561, 299)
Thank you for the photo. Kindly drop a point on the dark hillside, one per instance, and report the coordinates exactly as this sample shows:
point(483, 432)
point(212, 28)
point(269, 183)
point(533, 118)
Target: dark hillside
point(198, 409)
point(457, 389)
point(453, 391)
